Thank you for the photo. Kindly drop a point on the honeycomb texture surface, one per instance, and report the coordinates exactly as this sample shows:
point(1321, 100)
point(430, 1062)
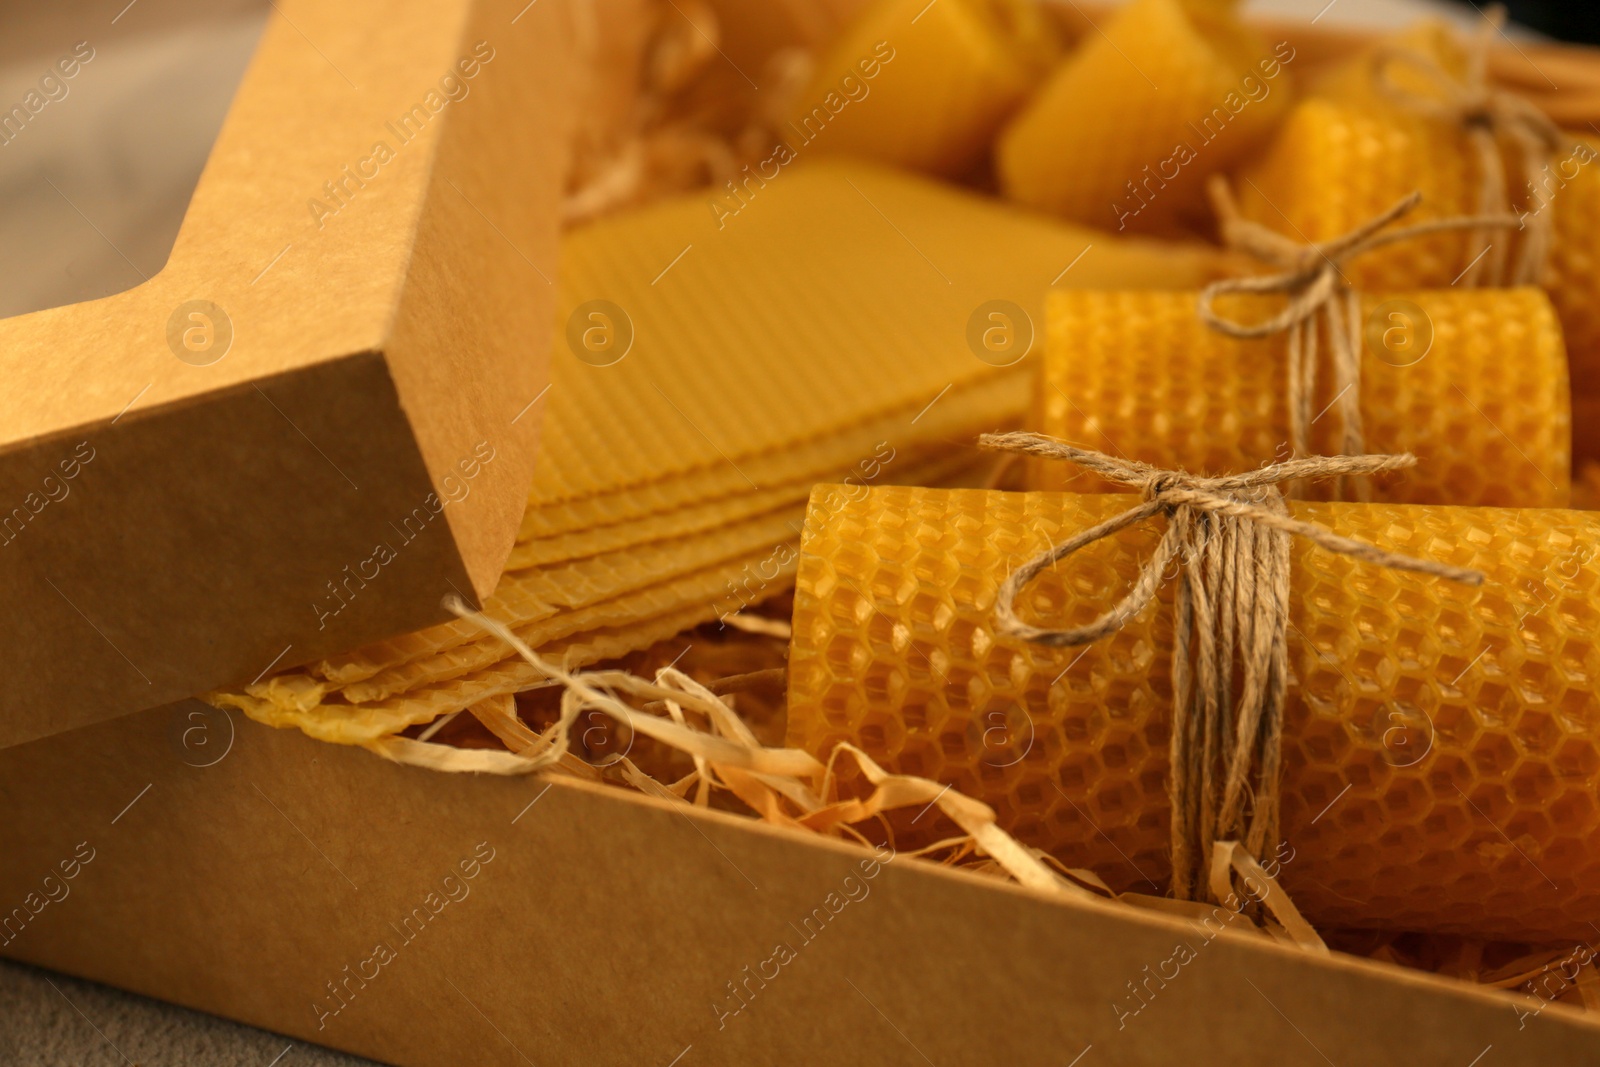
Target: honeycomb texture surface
point(604, 593)
point(697, 517)
point(709, 585)
point(954, 72)
point(1339, 162)
point(839, 293)
point(1441, 752)
point(1139, 375)
point(1124, 133)
point(296, 700)
point(641, 582)
point(995, 401)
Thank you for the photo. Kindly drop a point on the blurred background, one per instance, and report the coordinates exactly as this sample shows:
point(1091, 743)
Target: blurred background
point(94, 183)
point(1573, 20)
point(94, 187)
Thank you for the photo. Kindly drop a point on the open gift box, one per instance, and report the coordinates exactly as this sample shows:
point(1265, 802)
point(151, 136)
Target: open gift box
point(427, 919)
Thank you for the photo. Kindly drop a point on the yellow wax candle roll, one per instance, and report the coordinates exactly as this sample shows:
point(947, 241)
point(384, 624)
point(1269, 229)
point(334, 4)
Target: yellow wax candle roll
point(924, 86)
point(1473, 382)
point(1351, 152)
point(1124, 132)
point(1440, 742)
point(1338, 163)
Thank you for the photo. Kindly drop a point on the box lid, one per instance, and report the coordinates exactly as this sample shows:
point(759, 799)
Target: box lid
point(320, 416)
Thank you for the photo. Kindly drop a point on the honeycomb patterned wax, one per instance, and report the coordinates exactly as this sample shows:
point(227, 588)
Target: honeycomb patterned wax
point(633, 581)
point(695, 518)
point(1125, 131)
point(357, 724)
point(924, 86)
point(607, 602)
point(938, 419)
point(1475, 387)
point(1441, 742)
point(837, 293)
point(548, 595)
point(1339, 162)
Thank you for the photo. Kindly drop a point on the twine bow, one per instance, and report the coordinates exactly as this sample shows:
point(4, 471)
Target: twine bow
point(1230, 538)
point(1485, 114)
point(1319, 297)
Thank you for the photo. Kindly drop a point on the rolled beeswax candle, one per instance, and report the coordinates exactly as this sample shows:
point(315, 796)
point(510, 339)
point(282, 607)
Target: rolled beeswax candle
point(1124, 132)
point(1341, 159)
point(924, 86)
point(1441, 743)
point(1473, 382)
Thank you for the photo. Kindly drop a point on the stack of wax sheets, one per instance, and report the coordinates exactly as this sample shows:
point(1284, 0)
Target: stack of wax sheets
point(823, 326)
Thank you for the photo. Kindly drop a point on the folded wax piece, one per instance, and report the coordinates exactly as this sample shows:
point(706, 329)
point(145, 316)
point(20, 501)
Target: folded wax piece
point(821, 333)
point(1125, 131)
point(1439, 746)
point(924, 86)
point(1471, 381)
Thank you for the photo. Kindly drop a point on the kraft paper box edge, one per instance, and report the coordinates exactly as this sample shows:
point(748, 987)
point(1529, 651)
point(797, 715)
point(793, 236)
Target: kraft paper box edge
point(244, 873)
point(225, 511)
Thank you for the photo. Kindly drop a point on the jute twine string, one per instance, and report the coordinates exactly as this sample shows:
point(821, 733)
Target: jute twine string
point(1486, 115)
point(1230, 539)
point(1320, 299)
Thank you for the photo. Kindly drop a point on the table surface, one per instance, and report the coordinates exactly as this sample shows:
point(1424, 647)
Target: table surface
point(51, 1020)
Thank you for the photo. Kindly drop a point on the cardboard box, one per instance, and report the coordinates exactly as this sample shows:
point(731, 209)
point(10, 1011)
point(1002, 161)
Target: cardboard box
point(428, 919)
point(323, 403)
point(607, 927)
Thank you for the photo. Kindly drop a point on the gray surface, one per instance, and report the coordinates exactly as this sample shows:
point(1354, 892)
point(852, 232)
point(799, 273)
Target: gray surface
point(93, 188)
point(50, 1020)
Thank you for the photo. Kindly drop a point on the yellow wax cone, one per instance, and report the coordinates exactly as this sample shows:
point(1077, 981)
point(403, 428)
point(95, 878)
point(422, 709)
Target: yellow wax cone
point(1124, 133)
point(1473, 382)
point(1440, 747)
point(923, 86)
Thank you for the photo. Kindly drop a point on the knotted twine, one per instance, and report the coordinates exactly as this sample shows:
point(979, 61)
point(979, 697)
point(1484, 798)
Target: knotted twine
point(1319, 298)
point(1486, 115)
point(1230, 538)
